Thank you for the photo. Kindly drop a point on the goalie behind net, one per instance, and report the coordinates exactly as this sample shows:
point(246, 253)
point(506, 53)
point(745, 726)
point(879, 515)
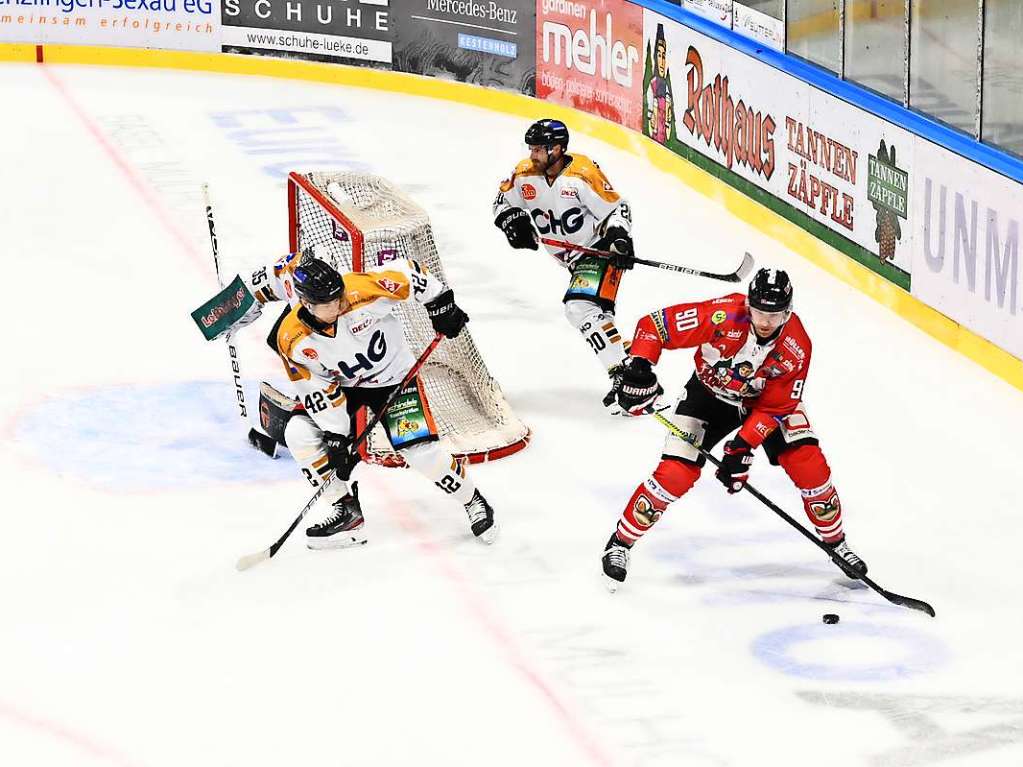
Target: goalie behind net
point(360, 222)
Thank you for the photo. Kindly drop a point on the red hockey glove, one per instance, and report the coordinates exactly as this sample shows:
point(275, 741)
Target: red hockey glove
point(734, 470)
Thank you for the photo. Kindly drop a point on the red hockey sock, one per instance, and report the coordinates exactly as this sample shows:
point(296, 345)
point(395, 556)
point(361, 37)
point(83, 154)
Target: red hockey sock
point(808, 469)
point(670, 481)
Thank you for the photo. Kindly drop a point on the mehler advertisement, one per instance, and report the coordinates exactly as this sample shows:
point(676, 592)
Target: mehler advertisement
point(483, 42)
point(843, 167)
point(353, 32)
point(589, 56)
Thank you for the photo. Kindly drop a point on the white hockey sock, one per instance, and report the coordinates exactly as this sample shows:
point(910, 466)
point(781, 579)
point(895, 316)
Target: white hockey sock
point(598, 328)
point(436, 464)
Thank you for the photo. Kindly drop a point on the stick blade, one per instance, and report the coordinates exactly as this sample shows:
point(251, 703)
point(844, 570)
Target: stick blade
point(251, 560)
point(913, 604)
point(744, 268)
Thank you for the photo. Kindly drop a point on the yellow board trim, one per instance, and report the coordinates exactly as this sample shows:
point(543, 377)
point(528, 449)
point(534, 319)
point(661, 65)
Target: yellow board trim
point(947, 331)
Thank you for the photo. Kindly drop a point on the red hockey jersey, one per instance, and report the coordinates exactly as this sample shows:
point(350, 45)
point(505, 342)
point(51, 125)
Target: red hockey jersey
point(766, 379)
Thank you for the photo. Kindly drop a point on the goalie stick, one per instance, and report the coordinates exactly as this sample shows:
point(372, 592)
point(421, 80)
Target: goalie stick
point(891, 596)
point(249, 560)
point(740, 273)
point(257, 439)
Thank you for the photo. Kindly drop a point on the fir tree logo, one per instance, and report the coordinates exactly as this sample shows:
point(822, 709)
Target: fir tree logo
point(888, 191)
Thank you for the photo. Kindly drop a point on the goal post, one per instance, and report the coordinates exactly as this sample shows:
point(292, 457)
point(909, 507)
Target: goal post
point(361, 222)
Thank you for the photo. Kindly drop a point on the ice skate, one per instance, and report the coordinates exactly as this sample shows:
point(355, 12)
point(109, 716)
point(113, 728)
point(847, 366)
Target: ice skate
point(344, 527)
point(481, 519)
point(854, 567)
point(615, 563)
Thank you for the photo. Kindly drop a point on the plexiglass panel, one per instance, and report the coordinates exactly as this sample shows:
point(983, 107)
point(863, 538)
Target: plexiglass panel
point(812, 32)
point(943, 61)
point(875, 45)
point(1003, 74)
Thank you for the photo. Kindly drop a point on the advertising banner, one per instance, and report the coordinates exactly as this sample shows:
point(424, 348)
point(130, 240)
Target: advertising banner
point(589, 57)
point(759, 26)
point(484, 42)
point(843, 167)
point(180, 25)
point(352, 32)
point(718, 11)
point(967, 263)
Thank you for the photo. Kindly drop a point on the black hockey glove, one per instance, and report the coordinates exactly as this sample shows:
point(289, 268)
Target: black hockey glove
point(734, 470)
point(518, 228)
point(446, 316)
point(636, 387)
point(618, 243)
point(339, 454)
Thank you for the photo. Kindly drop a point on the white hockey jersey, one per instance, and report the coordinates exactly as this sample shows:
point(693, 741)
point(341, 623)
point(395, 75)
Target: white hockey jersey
point(577, 207)
point(366, 347)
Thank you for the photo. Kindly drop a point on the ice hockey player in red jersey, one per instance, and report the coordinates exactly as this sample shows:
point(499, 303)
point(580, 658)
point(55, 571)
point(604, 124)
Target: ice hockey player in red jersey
point(752, 359)
point(567, 197)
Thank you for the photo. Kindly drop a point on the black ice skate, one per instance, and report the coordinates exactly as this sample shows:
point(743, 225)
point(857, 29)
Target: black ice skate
point(481, 518)
point(344, 527)
point(615, 562)
point(853, 566)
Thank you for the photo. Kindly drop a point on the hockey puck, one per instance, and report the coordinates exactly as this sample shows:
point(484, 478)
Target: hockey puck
point(830, 618)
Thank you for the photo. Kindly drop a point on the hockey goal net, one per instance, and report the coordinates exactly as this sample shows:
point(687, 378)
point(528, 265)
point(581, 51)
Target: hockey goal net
point(361, 222)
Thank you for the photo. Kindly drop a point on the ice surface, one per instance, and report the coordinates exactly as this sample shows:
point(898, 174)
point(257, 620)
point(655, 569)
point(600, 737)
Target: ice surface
point(129, 638)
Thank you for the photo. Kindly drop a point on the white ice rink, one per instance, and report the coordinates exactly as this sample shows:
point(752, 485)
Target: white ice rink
point(128, 638)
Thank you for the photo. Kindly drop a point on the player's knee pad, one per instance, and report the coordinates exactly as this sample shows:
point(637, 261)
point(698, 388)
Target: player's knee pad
point(586, 316)
point(303, 437)
point(684, 449)
point(806, 466)
point(433, 461)
point(673, 478)
point(427, 458)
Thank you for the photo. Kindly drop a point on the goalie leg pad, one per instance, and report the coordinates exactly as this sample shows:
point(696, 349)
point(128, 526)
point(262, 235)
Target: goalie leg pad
point(433, 461)
point(809, 471)
point(598, 327)
point(275, 410)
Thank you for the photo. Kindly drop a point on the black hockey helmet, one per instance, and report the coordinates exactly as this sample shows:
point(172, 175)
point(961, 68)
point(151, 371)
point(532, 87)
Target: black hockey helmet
point(770, 291)
point(547, 133)
point(317, 281)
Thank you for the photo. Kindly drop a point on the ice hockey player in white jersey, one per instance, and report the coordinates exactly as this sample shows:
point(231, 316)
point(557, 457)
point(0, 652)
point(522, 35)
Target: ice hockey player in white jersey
point(567, 197)
point(344, 348)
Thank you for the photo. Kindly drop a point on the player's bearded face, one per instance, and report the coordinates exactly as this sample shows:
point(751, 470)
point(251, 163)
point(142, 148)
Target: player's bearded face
point(539, 155)
point(766, 323)
point(327, 313)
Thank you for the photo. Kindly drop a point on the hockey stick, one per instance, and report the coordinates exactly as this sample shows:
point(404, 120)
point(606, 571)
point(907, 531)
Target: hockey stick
point(738, 275)
point(262, 442)
point(891, 596)
point(254, 559)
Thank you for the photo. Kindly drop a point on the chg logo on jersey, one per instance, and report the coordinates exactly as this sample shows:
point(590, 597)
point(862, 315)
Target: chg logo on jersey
point(311, 354)
point(389, 285)
point(528, 192)
point(549, 222)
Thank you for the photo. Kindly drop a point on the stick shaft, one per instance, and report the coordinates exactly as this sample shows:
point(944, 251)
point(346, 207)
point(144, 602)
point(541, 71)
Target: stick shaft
point(232, 349)
point(735, 276)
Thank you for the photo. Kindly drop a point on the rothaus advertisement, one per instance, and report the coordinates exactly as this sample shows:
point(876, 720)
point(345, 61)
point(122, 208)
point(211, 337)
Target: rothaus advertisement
point(967, 262)
point(181, 25)
point(843, 167)
point(588, 57)
point(484, 42)
point(349, 31)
